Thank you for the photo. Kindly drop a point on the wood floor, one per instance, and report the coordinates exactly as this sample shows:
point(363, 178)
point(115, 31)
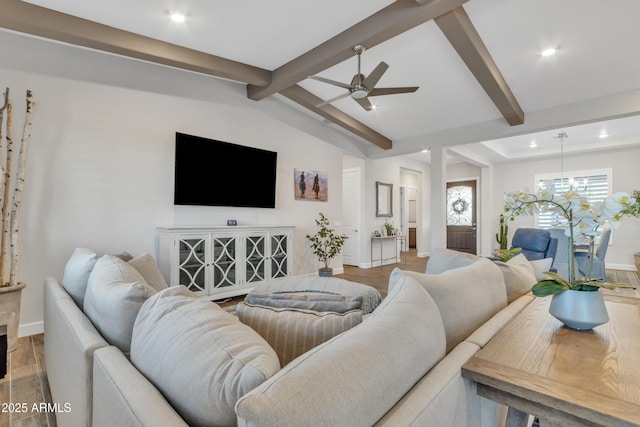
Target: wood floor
point(24, 391)
point(378, 277)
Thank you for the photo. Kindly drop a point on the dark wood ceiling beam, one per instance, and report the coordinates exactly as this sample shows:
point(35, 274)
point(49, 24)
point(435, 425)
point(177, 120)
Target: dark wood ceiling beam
point(308, 100)
point(27, 18)
point(389, 22)
point(462, 35)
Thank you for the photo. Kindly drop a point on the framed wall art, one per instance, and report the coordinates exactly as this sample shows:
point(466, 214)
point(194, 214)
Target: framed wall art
point(310, 185)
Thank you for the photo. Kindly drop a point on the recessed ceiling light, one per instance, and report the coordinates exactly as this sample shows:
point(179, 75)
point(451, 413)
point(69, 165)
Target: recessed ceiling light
point(426, 150)
point(603, 134)
point(533, 144)
point(548, 52)
point(177, 17)
point(374, 107)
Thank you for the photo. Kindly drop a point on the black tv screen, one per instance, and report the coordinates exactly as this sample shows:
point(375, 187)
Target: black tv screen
point(216, 173)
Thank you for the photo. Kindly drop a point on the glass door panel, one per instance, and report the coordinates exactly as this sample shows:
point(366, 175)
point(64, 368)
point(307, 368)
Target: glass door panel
point(279, 255)
point(224, 261)
point(192, 264)
point(255, 261)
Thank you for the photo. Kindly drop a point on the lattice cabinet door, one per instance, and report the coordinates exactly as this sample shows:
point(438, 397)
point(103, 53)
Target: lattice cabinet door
point(224, 262)
point(193, 262)
point(279, 253)
point(256, 255)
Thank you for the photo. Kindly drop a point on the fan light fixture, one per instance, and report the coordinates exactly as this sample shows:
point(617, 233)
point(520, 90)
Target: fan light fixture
point(361, 86)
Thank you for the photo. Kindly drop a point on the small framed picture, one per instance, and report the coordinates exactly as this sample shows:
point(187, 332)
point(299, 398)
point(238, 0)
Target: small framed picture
point(232, 222)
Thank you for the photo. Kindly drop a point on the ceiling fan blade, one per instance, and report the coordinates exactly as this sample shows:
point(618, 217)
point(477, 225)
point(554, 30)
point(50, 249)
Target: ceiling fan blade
point(331, 82)
point(329, 101)
point(365, 103)
point(375, 75)
point(392, 90)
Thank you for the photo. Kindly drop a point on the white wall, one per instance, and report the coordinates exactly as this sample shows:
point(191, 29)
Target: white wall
point(100, 169)
point(624, 163)
point(463, 170)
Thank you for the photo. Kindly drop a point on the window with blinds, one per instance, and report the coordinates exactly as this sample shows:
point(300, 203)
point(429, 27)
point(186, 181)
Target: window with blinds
point(595, 185)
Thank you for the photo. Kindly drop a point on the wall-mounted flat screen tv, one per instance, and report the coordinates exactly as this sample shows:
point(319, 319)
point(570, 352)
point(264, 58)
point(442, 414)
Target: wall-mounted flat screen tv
point(216, 173)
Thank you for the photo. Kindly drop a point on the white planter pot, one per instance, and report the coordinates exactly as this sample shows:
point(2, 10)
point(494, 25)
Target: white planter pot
point(581, 310)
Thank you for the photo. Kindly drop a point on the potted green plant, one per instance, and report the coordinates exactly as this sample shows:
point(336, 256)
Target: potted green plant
point(388, 226)
point(583, 219)
point(633, 210)
point(12, 176)
point(503, 252)
point(326, 244)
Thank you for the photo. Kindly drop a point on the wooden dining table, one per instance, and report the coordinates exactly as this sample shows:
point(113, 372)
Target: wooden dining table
point(535, 365)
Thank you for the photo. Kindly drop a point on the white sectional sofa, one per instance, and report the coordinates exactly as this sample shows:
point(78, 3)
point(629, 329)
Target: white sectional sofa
point(399, 366)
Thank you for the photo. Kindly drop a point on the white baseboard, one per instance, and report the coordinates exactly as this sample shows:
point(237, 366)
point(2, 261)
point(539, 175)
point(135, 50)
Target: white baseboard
point(29, 329)
point(626, 267)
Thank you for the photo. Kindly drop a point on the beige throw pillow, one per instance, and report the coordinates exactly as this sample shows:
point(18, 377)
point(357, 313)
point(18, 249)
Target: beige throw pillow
point(442, 259)
point(147, 267)
point(541, 266)
point(201, 358)
point(519, 276)
point(467, 296)
point(293, 331)
point(115, 293)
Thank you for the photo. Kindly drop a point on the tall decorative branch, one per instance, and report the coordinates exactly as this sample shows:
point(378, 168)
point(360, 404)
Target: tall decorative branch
point(6, 189)
point(17, 192)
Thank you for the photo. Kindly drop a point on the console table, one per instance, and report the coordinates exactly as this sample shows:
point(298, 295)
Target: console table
point(224, 261)
point(380, 239)
point(537, 366)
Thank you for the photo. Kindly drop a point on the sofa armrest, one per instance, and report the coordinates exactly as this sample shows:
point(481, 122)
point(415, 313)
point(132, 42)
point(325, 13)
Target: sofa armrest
point(123, 397)
point(69, 342)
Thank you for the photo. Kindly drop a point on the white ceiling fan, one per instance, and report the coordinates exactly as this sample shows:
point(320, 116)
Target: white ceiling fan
point(362, 87)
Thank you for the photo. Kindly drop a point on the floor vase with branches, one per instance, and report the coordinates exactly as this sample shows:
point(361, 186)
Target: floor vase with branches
point(12, 178)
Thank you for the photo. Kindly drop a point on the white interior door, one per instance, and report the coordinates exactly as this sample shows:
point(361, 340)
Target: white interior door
point(351, 209)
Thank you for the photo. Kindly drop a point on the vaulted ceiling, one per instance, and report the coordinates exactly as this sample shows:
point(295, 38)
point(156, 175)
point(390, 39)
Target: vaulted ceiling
point(485, 89)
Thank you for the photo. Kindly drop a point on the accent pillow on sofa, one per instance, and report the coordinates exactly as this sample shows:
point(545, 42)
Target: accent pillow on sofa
point(467, 296)
point(115, 293)
point(442, 259)
point(201, 358)
point(407, 323)
point(519, 276)
point(540, 266)
point(76, 273)
point(147, 267)
point(309, 300)
point(293, 331)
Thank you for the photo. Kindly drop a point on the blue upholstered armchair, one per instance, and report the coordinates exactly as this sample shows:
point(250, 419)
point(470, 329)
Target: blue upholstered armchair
point(535, 243)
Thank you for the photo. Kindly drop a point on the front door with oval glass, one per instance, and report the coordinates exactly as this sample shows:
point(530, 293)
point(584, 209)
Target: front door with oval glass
point(461, 216)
